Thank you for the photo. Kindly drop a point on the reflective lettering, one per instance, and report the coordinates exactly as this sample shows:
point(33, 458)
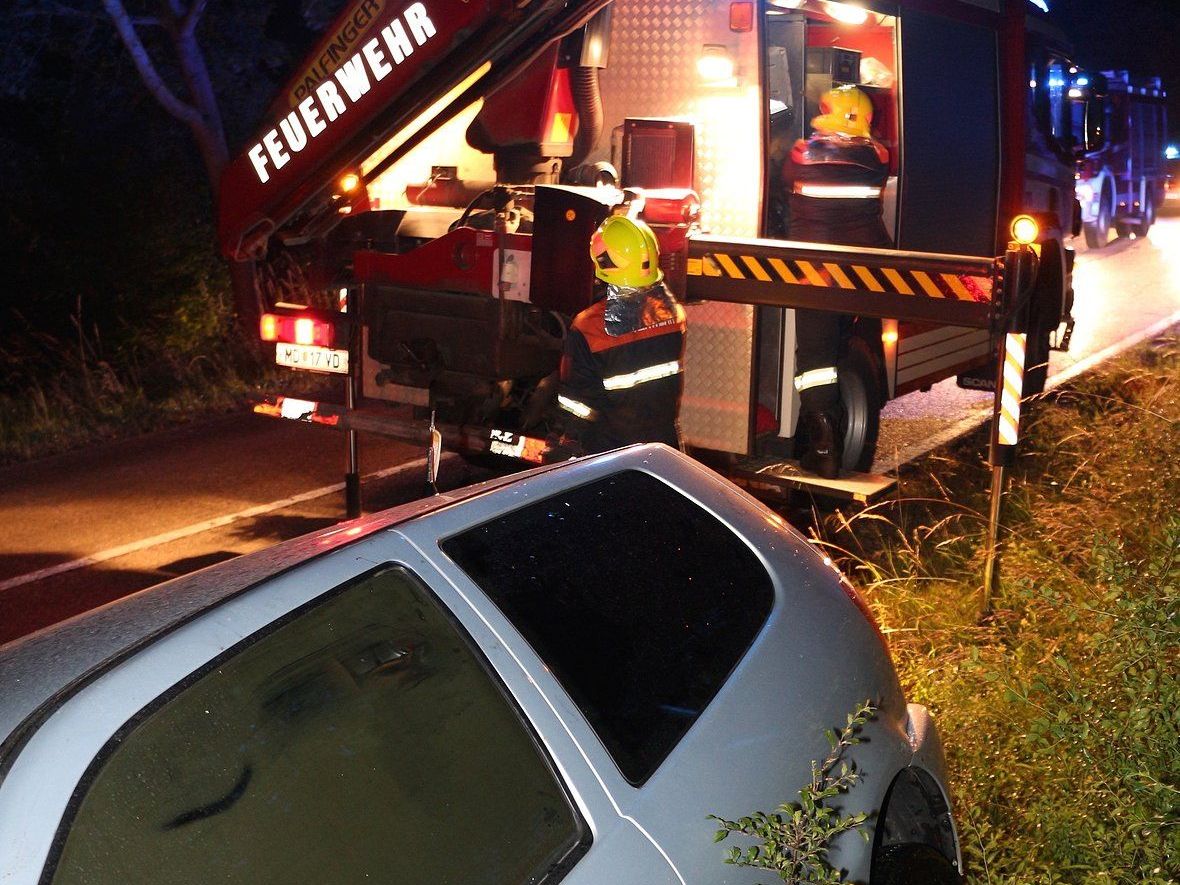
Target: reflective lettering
point(259, 161)
point(348, 84)
point(377, 63)
point(293, 132)
point(275, 149)
point(397, 41)
point(420, 24)
point(330, 100)
point(354, 78)
point(311, 116)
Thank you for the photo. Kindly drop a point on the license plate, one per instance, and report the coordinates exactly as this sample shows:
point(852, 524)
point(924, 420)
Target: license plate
point(313, 359)
point(510, 445)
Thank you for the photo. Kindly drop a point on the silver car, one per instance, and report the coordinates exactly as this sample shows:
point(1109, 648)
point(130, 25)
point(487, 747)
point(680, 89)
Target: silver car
point(556, 676)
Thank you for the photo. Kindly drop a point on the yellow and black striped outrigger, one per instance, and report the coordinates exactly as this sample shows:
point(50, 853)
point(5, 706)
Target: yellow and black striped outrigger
point(959, 290)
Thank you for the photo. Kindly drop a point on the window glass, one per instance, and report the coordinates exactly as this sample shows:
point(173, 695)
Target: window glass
point(639, 601)
point(1056, 85)
point(359, 742)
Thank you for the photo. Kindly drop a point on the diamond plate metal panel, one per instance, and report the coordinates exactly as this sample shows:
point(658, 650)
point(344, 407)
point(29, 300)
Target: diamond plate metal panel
point(653, 73)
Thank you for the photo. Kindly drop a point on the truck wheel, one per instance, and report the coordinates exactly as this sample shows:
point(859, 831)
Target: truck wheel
point(1098, 231)
point(913, 864)
point(1036, 353)
point(1146, 218)
point(860, 391)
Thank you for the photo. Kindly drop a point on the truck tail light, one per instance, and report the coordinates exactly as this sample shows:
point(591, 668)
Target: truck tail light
point(307, 331)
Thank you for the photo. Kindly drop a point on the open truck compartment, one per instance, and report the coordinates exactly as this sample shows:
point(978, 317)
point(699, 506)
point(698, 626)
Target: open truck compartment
point(447, 209)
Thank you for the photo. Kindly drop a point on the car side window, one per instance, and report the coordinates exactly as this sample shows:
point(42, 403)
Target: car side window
point(360, 740)
point(639, 600)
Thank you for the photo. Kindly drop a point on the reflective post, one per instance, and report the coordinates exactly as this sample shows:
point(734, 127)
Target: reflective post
point(1005, 432)
point(352, 477)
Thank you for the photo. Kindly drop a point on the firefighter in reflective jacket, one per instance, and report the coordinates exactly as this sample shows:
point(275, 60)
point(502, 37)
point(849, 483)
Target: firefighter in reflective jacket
point(622, 367)
point(837, 177)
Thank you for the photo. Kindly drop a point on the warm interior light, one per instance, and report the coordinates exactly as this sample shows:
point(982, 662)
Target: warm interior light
point(715, 66)
point(847, 13)
point(349, 182)
point(889, 336)
point(1025, 229)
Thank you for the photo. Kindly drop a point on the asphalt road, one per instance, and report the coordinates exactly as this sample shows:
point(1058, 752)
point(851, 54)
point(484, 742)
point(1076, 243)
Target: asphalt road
point(1123, 293)
point(88, 527)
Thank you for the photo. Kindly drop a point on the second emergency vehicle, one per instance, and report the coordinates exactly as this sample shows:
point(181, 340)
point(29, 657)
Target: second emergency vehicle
point(1122, 175)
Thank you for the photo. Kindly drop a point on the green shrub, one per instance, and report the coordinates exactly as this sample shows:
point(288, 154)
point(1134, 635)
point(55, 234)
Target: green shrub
point(1061, 712)
point(794, 840)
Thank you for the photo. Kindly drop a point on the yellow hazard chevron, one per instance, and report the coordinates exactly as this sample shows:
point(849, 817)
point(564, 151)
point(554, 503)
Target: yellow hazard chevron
point(1009, 428)
point(848, 275)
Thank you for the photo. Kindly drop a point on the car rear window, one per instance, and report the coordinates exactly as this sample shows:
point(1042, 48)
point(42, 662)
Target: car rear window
point(363, 740)
point(640, 601)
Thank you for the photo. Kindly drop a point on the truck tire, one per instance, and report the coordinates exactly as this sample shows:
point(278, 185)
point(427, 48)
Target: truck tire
point(860, 391)
point(1146, 216)
point(1036, 353)
point(1098, 231)
point(1045, 315)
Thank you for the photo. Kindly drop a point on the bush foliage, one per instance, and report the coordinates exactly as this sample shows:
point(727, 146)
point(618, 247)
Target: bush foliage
point(1061, 710)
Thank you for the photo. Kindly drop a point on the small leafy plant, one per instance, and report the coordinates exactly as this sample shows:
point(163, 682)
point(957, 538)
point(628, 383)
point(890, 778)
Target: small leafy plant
point(794, 841)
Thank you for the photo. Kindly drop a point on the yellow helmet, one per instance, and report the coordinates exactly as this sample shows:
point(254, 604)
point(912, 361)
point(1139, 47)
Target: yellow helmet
point(846, 110)
point(625, 253)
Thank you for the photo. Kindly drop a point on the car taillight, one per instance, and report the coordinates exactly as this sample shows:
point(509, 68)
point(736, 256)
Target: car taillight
point(296, 330)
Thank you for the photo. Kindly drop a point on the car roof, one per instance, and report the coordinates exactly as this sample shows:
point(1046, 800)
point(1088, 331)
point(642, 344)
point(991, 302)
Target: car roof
point(38, 668)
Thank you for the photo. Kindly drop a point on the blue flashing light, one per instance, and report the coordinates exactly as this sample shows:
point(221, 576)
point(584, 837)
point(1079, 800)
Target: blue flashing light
point(1056, 82)
point(1083, 81)
point(1172, 152)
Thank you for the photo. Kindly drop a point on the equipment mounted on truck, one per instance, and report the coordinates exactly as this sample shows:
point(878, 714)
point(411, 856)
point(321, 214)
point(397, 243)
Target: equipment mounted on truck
point(426, 190)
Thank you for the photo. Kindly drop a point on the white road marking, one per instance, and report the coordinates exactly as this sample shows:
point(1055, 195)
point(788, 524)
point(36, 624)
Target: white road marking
point(198, 527)
point(973, 420)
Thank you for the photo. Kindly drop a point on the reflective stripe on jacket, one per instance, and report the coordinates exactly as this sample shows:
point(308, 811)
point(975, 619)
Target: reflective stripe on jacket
point(836, 186)
point(622, 389)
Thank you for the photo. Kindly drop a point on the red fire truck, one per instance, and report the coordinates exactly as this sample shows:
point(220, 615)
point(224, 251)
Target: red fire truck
point(1122, 176)
point(420, 200)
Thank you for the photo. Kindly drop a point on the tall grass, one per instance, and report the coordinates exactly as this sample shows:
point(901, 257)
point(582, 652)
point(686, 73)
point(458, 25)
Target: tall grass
point(1060, 711)
point(62, 391)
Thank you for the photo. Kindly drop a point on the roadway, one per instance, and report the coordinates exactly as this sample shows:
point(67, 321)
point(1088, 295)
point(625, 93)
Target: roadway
point(84, 528)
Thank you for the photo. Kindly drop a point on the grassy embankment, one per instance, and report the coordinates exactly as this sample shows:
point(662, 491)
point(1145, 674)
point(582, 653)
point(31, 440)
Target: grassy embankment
point(159, 368)
point(1061, 711)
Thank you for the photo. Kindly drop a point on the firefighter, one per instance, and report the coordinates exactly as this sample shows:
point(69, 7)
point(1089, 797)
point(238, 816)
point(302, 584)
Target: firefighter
point(837, 177)
point(622, 369)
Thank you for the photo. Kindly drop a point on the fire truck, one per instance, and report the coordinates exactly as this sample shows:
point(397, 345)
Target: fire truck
point(1123, 124)
point(418, 207)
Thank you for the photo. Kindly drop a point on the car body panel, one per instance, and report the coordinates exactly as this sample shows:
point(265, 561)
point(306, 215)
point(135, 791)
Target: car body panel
point(750, 749)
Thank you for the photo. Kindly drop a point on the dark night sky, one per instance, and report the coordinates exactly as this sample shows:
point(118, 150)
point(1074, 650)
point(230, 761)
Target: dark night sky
point(1141, 36)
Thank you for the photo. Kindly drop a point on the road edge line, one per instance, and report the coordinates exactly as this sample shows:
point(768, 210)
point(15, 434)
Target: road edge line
point(966, 425)
point(204, 526)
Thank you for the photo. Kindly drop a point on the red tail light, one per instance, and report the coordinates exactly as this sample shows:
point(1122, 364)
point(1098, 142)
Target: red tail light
point(296, 330)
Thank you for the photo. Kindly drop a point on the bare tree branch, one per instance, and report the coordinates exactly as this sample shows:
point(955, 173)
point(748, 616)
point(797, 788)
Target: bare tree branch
point(189, 23)
point(147, 69)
